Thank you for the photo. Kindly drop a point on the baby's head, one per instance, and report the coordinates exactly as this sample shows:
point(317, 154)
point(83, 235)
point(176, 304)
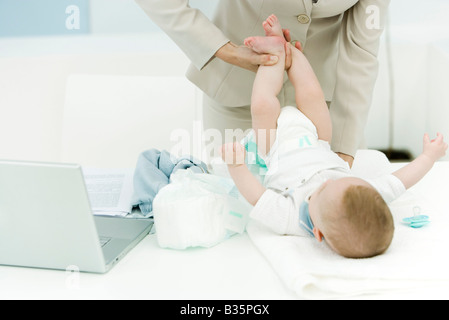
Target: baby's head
point(352, 217)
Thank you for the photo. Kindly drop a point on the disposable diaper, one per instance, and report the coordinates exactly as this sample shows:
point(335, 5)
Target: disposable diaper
point(198, 210)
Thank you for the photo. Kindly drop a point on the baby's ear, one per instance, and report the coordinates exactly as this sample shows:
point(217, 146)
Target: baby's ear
point(318, 235)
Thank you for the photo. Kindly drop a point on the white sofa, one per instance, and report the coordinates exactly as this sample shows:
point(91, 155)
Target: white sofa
point(90, 106)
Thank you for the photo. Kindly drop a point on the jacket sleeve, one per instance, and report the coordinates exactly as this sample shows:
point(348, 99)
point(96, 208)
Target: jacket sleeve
point(189, 28)
point(357, 70)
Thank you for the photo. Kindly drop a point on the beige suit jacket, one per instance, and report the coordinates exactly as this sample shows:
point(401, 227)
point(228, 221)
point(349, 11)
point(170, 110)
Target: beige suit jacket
point(340, 39)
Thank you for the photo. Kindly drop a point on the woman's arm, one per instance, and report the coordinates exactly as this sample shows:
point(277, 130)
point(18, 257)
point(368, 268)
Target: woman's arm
point(356, 73)
point(188, 27)
point(197, 36)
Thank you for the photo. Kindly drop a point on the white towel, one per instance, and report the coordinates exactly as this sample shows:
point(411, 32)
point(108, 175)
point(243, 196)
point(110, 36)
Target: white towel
point(416, 258)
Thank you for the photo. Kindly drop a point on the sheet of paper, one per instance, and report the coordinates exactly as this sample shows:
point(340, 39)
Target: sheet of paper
point(110, 190)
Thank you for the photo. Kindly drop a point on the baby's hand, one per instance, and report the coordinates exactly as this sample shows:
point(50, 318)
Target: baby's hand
point(436, 148)
point(233, 154)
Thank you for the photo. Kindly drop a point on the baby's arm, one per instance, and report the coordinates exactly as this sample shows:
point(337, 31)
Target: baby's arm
point(309, 95)
point(418, 168)
point(234, 156)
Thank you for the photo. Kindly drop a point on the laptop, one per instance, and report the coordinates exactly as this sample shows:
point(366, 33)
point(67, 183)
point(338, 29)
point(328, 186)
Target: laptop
point(46, 221)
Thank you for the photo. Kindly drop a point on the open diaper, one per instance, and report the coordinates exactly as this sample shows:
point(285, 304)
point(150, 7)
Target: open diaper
point(202, 210)
point(198, 210)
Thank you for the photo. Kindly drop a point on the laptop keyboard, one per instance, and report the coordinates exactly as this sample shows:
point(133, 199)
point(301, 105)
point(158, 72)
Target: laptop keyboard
point(104, 241)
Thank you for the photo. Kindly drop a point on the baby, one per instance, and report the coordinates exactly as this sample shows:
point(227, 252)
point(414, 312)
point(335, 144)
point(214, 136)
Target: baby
point(308, 189)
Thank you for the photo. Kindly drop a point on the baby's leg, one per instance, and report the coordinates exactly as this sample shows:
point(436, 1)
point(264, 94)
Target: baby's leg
point(273, 27)
point(309, 95)
point(272, 42)
point(265, 106)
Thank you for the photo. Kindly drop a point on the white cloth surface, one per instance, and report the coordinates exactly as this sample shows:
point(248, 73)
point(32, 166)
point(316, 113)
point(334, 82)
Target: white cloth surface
point(416, 257)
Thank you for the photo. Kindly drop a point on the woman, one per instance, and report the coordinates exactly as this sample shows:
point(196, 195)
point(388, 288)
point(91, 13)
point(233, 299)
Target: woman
point(340, 38)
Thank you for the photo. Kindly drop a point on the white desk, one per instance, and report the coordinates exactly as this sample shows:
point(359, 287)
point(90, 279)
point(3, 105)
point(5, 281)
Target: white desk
point(234, 269)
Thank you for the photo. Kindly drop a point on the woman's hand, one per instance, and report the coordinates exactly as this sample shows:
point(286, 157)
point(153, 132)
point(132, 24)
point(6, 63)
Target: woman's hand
point(288, 48)
point(246, 58)
point(349, 159)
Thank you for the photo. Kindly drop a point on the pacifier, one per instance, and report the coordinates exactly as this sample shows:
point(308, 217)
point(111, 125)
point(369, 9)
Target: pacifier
point(418, 220)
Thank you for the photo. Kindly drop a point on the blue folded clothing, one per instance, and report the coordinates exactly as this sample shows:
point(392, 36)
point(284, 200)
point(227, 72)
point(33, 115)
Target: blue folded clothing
point(152, 173)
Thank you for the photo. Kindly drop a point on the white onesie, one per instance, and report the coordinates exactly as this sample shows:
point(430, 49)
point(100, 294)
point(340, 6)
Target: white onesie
point(298, 163)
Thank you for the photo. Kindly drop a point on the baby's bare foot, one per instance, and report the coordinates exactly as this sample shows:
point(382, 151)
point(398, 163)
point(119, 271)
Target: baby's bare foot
point(272, 27)
point(271, 44)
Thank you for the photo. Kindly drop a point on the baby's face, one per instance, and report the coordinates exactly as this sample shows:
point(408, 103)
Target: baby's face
point(329, 196)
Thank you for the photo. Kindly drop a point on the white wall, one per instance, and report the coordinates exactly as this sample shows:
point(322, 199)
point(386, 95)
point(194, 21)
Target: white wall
point(438, 92)
point(411, 13)
point(419, 68)
point(410, 74)
point(125, 16)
